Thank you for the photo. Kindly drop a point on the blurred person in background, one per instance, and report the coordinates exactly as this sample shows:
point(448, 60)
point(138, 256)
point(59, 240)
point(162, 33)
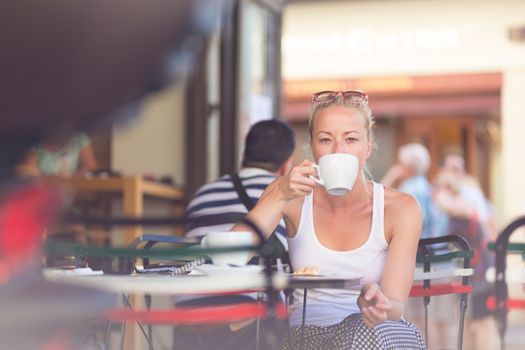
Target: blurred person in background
point(409, 175)
point(470, 189)
point(220, 204)
point(460, 197)
point(74, 156)
point(62, 157)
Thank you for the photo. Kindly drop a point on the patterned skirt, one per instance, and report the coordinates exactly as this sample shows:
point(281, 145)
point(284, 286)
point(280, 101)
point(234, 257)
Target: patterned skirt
point(353, 334)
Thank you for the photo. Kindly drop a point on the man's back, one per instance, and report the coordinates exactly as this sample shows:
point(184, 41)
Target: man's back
point(216, 206)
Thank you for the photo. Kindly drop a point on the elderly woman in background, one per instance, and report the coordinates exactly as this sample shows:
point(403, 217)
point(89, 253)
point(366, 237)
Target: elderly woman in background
point(409, 175)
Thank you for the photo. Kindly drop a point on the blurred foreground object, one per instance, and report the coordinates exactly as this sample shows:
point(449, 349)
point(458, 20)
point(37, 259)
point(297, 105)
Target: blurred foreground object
point(25, 215)
point(69, 65)
point(36, 312)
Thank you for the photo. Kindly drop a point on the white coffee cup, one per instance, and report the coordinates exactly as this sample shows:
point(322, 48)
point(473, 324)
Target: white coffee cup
point(337, 172)
point(228, 239)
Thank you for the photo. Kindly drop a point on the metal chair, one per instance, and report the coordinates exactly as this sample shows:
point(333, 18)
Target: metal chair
point(501, 301)
point(439, 250)
point(202, 314)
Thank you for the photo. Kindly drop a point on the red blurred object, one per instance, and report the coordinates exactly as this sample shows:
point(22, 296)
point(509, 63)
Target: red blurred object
point(510, 304)
point(58, 342)
point(211, 314)
point(439, 289)
point(25, 214)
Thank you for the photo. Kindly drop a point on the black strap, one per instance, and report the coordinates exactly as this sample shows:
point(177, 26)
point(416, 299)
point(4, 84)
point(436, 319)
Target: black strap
point(249, 204)
point(241, 191)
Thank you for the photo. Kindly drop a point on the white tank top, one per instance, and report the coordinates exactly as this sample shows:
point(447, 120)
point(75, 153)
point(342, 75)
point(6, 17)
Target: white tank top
point(326, 307)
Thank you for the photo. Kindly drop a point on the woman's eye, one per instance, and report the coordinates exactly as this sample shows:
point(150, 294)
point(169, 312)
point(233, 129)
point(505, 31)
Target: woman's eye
point(324, 140)
point(351, 139)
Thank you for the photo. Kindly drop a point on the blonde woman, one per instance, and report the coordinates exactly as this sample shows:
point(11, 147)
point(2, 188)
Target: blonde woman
point(371, 233)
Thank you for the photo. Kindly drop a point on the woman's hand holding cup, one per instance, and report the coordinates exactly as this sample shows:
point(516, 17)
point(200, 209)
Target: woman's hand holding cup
point(298, 182)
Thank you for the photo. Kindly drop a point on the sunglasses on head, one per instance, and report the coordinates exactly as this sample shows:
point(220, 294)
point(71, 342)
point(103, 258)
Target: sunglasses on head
point(329, 96)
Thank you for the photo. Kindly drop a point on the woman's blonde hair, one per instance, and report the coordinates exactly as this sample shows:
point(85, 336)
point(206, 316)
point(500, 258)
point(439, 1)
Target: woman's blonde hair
point(361, 107)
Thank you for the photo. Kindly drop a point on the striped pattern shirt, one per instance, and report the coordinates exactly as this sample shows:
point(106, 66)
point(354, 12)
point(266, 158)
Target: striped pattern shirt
point(217, 207)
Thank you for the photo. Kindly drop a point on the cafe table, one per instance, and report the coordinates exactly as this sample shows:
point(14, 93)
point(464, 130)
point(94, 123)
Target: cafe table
point(223, 283)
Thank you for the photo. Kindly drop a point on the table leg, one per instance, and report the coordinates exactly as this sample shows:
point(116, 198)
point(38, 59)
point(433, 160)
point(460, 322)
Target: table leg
point(304, 319)
point(133, 206)
point(133, 339)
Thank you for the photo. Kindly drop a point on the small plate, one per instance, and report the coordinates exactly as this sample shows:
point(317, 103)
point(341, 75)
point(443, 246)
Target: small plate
point(228, 270)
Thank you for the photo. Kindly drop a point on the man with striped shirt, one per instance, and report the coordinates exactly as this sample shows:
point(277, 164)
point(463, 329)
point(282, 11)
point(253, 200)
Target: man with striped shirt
point(216, 206)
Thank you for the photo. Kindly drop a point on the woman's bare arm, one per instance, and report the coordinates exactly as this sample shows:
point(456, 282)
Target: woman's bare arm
point(268, 211)
point(401, 259)
point(271, 206)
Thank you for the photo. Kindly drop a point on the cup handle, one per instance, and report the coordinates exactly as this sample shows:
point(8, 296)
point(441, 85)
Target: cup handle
point(318, 180)
point(203, 242)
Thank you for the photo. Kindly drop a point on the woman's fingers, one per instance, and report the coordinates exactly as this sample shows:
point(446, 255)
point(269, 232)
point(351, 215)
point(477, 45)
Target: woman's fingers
point(366, 318)
point(306, 162)
point(374, 305)
point(377, 314)
point(383, 306)
point(372, 316)
point(371, 291)
point(302, 176)
point(375, 296)
point(298, 182)
point(302, 171)
point(303, 189)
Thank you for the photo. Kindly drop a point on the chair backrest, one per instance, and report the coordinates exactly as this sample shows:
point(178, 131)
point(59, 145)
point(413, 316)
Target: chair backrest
point(441, 250)
point(149, 240)
point(500, 287)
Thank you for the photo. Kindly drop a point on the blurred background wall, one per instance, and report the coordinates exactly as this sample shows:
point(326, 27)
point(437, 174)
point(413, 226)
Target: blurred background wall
point(448, 74)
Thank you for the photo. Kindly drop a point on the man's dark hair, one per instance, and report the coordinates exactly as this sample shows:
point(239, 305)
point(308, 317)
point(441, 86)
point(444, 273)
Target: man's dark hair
point(268, 145)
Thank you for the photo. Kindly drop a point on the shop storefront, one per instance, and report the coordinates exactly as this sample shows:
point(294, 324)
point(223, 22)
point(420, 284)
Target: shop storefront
point(438, 72)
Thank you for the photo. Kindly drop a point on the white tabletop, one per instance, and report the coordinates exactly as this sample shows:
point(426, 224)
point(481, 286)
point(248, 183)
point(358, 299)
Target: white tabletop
point(198, 284)
point(420, 275)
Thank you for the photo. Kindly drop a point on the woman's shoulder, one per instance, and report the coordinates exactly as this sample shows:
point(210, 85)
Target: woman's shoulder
point(402, 214)
point(397, 202)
